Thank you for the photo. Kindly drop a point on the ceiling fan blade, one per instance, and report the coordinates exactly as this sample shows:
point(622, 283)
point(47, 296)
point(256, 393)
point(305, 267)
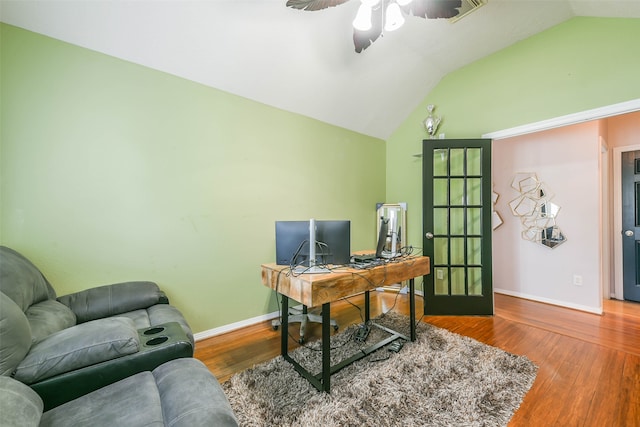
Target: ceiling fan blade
point(364, 39)
point(434, 9)
point(314, 4)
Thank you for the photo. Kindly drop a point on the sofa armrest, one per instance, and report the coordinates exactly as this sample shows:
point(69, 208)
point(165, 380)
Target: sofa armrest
point(111, 300)
point(19, 405)
point(79, 346)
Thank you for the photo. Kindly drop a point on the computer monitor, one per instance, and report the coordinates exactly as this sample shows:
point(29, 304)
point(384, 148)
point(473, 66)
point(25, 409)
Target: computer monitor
point(332, 242)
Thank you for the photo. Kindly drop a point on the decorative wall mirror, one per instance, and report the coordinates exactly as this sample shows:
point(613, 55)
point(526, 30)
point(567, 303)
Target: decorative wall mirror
point(535, 210)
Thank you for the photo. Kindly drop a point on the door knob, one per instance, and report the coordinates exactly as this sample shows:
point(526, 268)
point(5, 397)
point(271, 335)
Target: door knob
point(628, 233)
point(428, 235)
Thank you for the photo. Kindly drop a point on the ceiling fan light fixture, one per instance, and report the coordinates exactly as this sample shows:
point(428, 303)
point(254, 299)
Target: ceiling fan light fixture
point(362, 21)
point(394, 18)
point(374, 17)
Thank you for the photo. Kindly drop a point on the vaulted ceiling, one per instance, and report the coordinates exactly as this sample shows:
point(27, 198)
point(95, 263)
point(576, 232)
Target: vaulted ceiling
point(300, 61)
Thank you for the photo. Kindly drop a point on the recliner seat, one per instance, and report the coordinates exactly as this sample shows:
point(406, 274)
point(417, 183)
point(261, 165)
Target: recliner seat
point(179, 393)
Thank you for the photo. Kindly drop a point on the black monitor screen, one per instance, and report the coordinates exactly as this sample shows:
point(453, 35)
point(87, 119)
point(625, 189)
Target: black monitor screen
point(333, 242)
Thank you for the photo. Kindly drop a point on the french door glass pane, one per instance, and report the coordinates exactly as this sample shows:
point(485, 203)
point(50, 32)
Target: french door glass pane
point(457, 162)
point(475, 280)
point(440, 250)
point(457, 221)
point(474, 195)
point(440, 191)
point(440, 162)
point(440, 221)
point(457, 281)
point(457, 191)
point(474, 245)
point(457, 250)
point(474, 157)
point(473, 221)
point(441, 281)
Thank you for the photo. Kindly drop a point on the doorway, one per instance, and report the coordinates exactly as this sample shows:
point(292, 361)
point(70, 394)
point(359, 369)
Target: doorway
point(625, 139)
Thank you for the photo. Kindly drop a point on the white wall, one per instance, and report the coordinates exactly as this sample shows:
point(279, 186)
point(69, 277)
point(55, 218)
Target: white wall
point(567, 161)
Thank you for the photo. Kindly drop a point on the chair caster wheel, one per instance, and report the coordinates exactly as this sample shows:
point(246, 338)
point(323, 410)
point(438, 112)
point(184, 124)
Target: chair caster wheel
point(301, 340)
point(335, 328)
point(275, 327)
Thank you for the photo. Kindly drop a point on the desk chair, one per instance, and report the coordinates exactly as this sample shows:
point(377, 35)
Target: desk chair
point(302, 317)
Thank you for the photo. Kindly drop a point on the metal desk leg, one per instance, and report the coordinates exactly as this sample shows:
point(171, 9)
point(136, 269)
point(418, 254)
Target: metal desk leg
point(284, 324)
point(326, 347)
point(367, 307)
point(412, 309)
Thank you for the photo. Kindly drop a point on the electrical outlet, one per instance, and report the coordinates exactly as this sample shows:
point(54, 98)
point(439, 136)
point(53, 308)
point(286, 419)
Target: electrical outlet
point(577, 280)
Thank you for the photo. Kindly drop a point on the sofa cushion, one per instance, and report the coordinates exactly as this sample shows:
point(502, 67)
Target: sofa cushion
point(19, 405)
point(15, 335)
point(21, 281)
point(47, 317)
point(79, 346)
point(133, 401)
point(179, 393)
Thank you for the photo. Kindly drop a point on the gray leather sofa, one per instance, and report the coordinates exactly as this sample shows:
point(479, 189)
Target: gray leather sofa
point(179, 393)
point(65, 347)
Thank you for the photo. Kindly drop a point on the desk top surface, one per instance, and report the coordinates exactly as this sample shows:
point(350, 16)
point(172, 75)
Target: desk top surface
point(319, 288)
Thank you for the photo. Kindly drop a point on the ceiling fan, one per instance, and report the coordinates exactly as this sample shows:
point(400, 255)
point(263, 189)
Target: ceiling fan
point(376, 16)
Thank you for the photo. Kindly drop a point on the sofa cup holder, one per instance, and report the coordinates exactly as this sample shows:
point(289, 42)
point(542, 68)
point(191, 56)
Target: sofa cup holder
point(157, 340)
point(154, 330)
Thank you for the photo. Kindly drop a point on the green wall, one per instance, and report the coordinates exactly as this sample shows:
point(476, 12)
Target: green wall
point(111, 172)
point(578, 65)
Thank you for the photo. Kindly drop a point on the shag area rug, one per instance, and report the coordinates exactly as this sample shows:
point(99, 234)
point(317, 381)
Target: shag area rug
point(442, 379)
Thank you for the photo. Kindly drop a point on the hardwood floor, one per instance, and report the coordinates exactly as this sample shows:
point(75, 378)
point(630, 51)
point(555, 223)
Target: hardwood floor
point(589, 365)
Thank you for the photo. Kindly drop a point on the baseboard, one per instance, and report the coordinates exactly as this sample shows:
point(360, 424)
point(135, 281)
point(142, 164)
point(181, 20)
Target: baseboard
point(233, 326)
point(239, 325)
point(274, 315)
point(588, 309)
point(248, 322)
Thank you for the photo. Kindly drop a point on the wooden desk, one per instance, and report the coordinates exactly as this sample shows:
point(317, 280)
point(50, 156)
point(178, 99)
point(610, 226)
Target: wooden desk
point(313, 290)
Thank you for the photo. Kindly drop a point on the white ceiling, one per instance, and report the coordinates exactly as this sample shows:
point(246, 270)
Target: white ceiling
point(299, 61)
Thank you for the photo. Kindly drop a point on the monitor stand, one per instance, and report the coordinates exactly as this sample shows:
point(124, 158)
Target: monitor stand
point(313, 268)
